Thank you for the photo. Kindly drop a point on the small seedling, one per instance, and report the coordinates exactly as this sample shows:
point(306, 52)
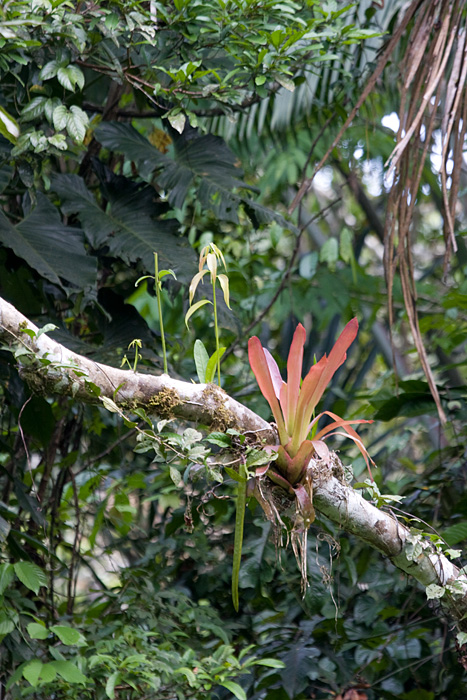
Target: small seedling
point(137, 344)
point(210, 256)
point(158, 277)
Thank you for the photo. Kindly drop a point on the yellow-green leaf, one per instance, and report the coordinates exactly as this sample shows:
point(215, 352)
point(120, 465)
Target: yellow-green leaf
point(224, 282)
point(195, 308)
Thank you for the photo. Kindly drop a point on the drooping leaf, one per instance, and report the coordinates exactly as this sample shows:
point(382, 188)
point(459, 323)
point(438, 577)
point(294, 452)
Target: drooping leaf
point(56, 251)
point(30, 575)
point(235, 689)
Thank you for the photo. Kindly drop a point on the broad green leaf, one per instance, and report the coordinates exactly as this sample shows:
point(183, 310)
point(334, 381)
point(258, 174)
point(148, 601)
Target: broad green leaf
point(50, 106)
point(59, 141)
point(59, 117)
point(329, 253)
point(68, 671)
point(177, 121)
point(30, 575)
point(201, 360)
point(205, 161)
point(68, 635)
point(220, 439)
point(49, 70)
point(32, 671)
point(7, 574)
point(54, 250)
point(128, 237)
point(175, 476)
point(76, 124)
point(195, 308)
point(48, 673)
point(37, 630)
point(235, 689)
point(70, 77)
point(34, 109)
point(7, 625)
point(212, 364)
point(434, 591)
point(455, 533)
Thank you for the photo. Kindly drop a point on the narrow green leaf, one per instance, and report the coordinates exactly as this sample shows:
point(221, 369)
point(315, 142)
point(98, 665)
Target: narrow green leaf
point(235, 689)
point(271, 663)
point(212, 364)
point(30, 575)
point(238, 541)
point(235, 475)
point(195, 308)
point(201, 360)
point(111, 683)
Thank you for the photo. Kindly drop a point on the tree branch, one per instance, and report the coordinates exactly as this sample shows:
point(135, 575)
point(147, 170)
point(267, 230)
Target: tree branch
point(50, 368)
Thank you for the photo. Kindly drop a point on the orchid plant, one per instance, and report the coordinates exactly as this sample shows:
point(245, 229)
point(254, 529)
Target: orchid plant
point(293, 404)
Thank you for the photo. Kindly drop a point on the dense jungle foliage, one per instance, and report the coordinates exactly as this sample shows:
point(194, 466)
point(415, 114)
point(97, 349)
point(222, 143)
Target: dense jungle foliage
point(130, 127)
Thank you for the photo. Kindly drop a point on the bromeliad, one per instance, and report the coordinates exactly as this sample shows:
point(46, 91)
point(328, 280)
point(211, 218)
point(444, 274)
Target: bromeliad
point(293, 404)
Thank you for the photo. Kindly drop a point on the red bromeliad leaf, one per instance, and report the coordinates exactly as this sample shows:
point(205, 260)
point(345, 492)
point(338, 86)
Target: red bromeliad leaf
point(305, 504)
point(294, 376)
point(317, 380)
point(260, 367)
point(352, 435)
point(274, 372)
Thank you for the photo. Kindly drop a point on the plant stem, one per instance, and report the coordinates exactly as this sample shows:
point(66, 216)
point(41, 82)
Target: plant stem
point(216, 330)
point(159, 308)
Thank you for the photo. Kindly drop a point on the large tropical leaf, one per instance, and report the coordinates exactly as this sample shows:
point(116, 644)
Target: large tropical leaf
point(205, 162)
point(56, 251)
point(129, 225)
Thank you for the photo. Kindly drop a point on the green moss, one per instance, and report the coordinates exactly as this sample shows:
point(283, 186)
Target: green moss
point(221, 417)
point(163, 402)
